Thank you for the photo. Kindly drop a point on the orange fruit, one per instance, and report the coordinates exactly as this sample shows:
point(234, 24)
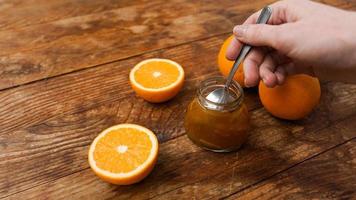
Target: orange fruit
point(225, 65)
point(293, 100)
point(123, 154)
point(157, 80)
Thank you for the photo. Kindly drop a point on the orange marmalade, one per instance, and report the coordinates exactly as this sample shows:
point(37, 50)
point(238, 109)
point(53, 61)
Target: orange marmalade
point(215, 126)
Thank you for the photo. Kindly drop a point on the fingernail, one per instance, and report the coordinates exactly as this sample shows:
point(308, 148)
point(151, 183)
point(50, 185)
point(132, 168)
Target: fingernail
point(264, 80)
point(239, 31)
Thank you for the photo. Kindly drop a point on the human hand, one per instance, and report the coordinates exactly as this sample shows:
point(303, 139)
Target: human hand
point(300, 37)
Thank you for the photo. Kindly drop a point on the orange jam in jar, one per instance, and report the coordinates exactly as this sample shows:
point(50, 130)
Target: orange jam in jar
point(219, 127)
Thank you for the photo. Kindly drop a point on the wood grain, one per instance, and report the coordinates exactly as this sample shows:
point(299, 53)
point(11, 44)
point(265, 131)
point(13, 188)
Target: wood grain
point(64, 77)
point(76, 42)
point(46, 50)
point(184, 170)
point(331, 175)
point(272, 150)
point(58, 147)
point(33, 103)
point(37, 119)
point(16, 14)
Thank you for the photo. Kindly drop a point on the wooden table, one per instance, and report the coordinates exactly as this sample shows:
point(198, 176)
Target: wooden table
point(64, 69)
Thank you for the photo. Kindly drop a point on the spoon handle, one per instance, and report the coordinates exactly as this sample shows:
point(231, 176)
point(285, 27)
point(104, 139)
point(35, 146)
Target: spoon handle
point(262, 19)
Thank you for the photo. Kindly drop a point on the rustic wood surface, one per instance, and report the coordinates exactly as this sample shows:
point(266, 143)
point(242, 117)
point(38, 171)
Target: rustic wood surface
point(64, 77)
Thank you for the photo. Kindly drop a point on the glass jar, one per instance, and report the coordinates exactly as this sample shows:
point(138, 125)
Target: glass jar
point(217, 127)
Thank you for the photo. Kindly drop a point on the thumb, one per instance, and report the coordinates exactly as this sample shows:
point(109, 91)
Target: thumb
point(258, 35)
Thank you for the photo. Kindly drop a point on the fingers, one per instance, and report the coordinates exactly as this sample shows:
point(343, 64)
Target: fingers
point(251, 65)
point(280, 14)
point(251, 37)
point(233, 49)
point(280, 74)
point(263, 35)
point(235, 44)
point(259, 35)
point(271, 67)
point(255, 35)
point(274, 69)
point(267, 70)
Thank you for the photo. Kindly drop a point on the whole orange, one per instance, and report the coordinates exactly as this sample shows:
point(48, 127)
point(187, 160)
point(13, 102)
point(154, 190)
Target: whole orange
point(225, 65)
point(293, 100)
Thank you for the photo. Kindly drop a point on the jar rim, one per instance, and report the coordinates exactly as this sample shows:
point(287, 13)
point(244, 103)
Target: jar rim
point(219, 82)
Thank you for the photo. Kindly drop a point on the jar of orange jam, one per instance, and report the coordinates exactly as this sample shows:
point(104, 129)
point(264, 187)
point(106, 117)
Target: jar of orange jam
point(217, 127)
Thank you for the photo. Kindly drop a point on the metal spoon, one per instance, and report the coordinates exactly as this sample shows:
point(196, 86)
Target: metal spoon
point(222, 95)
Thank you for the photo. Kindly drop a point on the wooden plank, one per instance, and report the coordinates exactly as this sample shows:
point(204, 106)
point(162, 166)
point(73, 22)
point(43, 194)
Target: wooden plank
point(328, 176)
point(59, 117)
point(44, 122)
point(37, 119)
point(40, 51)
point(34, 103)
point(185, 170)
point(16, 14)
point(46, 50)
point(271, 151)
point(57, 147)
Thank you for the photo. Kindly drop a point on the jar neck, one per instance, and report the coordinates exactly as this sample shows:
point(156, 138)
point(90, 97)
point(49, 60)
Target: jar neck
point(211, 84)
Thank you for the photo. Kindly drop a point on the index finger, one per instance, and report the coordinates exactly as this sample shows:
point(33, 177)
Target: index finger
point(278, 17)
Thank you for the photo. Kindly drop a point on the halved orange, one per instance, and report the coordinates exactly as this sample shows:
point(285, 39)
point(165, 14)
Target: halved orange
point(157, 80)
point(123, 154)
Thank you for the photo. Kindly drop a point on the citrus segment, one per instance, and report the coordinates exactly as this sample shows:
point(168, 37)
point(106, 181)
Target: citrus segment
point(156, 74)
